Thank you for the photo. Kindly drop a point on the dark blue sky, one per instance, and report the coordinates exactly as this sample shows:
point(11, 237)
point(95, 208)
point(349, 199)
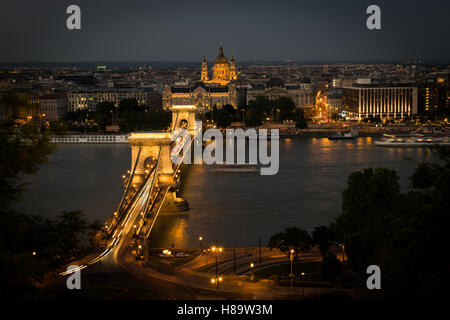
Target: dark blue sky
point(174, 30)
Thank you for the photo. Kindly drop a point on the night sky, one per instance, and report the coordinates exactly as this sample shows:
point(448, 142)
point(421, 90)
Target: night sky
point(185, 30)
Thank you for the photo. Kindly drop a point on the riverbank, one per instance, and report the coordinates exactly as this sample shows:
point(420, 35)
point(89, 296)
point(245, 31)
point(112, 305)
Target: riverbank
point(327, 132)
point(90, 139)
point(362, 132)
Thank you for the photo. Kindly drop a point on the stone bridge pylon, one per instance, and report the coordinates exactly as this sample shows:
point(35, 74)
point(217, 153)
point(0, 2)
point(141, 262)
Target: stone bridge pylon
point(183, 117)
point(151, 145)
point(157, 146)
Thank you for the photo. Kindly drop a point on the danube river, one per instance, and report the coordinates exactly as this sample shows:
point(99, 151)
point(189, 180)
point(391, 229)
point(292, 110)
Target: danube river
point(231, 208)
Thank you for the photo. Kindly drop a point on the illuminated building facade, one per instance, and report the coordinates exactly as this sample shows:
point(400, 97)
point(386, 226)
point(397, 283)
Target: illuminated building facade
point(83, 99)
point(433, 97)
point(203, 96)
point(54, 106)
point(370, 101)
point(26, 111)
point(301, 93)
point(322, 110)
point(217, 90)
point(223, 71)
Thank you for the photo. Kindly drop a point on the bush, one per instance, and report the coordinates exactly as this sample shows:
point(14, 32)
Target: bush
point(331, 267)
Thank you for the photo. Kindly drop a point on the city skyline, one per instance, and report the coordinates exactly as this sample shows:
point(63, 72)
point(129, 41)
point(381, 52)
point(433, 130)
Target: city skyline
point(246, 151)
point(251, 31)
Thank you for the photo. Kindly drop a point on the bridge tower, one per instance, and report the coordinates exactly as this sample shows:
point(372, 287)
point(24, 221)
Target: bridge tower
point(158, 145)
point(183, 117)
point(150, 144)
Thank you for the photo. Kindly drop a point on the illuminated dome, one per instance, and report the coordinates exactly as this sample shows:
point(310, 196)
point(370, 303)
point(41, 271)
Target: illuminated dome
point(221, 58)
point(223, 72)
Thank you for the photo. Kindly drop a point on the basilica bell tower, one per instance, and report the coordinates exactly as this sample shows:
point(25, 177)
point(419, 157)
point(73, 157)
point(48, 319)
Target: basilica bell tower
point(204, 70)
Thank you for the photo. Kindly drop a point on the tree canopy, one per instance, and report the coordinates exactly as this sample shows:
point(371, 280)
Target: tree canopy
point(129, 115)
point(292, 238)
point(403, 233)
point(30, 245)
point(280, 109)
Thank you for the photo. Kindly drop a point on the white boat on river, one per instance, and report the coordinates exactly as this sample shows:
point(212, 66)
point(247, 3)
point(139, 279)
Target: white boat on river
point(412, 141)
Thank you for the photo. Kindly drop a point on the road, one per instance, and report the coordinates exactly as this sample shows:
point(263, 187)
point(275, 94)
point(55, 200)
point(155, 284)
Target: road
point(117, 267)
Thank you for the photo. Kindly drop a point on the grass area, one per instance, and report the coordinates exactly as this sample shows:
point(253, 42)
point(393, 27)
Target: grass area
point(280, 273)
point(176, 262)
point(311, 270)
point(205, 268)
point(306, 284)
point(180, 261)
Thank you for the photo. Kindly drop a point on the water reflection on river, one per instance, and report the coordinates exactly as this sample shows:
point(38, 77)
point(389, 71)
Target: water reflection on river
point(231, 208)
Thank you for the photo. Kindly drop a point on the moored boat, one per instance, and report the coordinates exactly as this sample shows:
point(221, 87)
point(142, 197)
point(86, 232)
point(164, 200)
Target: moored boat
point(90, 139)
point(235, 168)
point(341, 136)
point(412, 141)
point(345, 135)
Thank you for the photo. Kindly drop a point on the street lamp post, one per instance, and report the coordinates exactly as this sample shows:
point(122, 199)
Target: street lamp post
point(234, 258)
point(213, 249)
point(200, 238)
point(216, 282)
point(303, 285)
point(139, 252)
point(291, 275)
point(342, 251)
point(217, 279)
point(252, 274)
point(216, 251)
point(260, 260)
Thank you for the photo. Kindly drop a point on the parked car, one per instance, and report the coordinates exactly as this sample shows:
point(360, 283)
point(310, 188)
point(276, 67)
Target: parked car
point(181, 255)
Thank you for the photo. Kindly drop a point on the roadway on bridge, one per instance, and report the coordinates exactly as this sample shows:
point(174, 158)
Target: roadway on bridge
point(127, 222)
